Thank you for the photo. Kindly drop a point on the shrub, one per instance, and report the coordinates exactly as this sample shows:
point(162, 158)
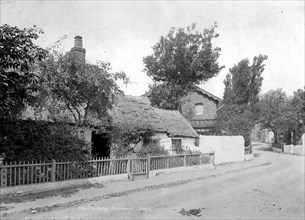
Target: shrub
point(127, 139)
point(26, 140)
point(152, 148)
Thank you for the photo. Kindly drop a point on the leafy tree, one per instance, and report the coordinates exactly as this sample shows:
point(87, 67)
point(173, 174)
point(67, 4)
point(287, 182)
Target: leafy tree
point(274, 114)
point(297, 103)
point(70, 87)
point(282, 114)
point(166, 96)
point(180, 60)
point(17, 55)
point(235, 120)
point(244, 81)
point(242, 87)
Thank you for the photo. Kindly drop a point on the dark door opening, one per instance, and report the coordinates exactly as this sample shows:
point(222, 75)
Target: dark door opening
point(100, 144)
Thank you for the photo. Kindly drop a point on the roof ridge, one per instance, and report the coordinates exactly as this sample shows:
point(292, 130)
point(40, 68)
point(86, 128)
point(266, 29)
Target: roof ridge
point(207, 93)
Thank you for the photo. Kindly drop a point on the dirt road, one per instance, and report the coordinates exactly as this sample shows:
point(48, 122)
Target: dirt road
point(270, 190)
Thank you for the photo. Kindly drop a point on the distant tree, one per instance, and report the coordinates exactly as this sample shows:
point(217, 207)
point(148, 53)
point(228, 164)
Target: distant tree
point(244, 81)
point(17, 80)
point(275, 113)
point(297, 103)
point(181, 59)
point(69, 86)
point(283, 114)
point(242, 87)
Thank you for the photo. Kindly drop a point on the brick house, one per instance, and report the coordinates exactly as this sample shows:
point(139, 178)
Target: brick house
point(200, 108)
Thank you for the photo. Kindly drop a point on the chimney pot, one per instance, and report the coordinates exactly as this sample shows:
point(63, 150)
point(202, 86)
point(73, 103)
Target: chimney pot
point(78, 48)
point(78, 41)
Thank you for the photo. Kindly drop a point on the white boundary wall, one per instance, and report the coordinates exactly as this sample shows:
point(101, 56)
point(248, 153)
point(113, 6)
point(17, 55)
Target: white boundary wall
point(227, 148)
point(296, 149)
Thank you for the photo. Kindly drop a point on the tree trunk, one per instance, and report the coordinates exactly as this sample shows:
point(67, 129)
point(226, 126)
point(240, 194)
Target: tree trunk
point(275, 135)
point(294, 138)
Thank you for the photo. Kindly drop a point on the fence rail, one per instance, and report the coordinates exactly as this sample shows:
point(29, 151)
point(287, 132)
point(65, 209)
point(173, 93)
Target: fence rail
point(25, 173)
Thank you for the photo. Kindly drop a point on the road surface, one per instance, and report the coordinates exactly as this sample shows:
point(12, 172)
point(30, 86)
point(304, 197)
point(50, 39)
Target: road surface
point(273, 189)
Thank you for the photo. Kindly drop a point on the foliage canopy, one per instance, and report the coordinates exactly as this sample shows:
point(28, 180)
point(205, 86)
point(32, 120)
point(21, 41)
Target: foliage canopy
point(281, 113)
point(181, 60)
point(70, 87)
point(242, 87)
point(17, 80)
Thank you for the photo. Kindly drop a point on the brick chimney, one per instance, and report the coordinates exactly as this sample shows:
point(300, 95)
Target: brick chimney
point(78, 48)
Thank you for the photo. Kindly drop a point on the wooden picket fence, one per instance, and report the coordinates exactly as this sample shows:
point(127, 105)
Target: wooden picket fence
point(25, 173)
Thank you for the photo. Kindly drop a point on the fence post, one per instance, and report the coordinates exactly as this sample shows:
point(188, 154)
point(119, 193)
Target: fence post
point(212, 157)
point(148, 165)
point(129, 167)
point(3, 176)
point(200, 155)
point(167, 162)
point(53, 170)
point(184, 160)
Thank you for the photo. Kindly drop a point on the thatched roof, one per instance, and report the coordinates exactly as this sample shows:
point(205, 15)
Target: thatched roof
point(136, 113)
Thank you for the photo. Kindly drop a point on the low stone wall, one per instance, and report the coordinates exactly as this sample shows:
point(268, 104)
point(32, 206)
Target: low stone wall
point(294, 149)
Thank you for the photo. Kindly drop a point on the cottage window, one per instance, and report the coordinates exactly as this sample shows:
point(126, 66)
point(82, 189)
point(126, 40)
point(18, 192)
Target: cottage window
point(199, 109)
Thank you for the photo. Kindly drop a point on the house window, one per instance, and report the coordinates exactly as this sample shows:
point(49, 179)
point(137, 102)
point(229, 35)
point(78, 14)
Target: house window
point(199, 109)
point(176, 146)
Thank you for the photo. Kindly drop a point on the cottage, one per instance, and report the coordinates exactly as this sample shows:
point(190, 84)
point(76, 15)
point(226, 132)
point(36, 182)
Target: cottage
point(170, 127)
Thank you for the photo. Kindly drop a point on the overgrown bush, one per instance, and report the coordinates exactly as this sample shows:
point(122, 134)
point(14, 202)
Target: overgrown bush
point(126, 141)
point(26, 140)
point(152, 148)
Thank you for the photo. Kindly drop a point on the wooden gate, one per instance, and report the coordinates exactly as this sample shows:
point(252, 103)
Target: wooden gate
point(139, 168)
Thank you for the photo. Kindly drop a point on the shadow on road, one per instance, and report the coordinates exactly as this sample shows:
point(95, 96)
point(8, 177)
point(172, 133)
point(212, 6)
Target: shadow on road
point(66, 192)
point(265, 148)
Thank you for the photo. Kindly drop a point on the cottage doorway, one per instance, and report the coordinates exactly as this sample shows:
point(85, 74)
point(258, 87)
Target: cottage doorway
point(100, 144)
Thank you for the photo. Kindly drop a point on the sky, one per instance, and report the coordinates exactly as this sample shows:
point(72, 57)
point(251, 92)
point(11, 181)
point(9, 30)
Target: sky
point(123, 32)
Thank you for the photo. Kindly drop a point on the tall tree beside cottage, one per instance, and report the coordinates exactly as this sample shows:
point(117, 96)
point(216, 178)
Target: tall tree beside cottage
point(180, 60)
point(19, 85)
point(17, 79)
point(242, 87)
point(70, 87)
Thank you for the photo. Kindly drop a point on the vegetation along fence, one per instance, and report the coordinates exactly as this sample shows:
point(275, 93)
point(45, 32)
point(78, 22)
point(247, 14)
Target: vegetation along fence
point(25, 173)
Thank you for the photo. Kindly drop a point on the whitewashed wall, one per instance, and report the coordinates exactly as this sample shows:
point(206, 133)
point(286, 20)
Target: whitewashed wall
point(166, 142)
point(189, 144)
point(227, 148)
